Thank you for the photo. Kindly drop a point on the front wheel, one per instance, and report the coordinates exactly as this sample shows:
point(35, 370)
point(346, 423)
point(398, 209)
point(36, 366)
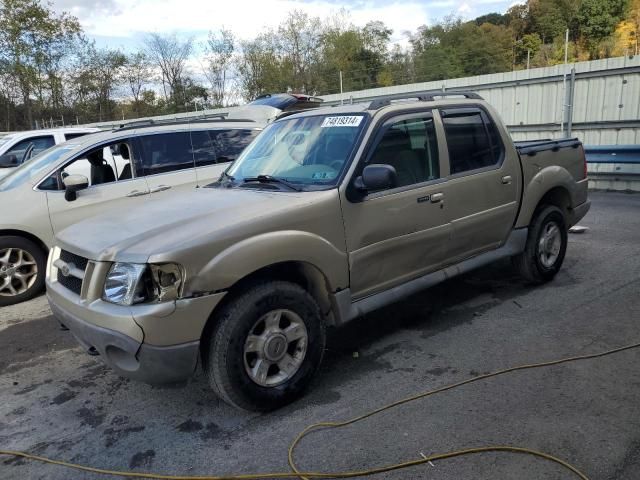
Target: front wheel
point(265, 346)
point(22, 270)
point(545, 248)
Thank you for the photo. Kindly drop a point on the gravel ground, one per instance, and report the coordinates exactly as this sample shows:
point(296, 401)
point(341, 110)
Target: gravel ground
point(58, 402)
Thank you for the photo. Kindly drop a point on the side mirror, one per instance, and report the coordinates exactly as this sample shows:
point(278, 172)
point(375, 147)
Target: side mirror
point(377, 177)
point(73, 184)
point(9, 161)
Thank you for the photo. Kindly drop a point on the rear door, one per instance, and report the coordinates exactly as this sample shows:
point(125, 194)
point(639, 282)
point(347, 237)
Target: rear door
point(167, 161)
point(401, 233)
point(122, 189)
point(483, 186)
point(215, 149)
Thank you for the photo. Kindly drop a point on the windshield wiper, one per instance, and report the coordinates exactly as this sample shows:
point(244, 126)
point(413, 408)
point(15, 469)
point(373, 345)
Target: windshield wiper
point(270, 179)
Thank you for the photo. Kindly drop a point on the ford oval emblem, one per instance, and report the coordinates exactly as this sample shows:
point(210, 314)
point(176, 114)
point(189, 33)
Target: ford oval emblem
point(65, 270)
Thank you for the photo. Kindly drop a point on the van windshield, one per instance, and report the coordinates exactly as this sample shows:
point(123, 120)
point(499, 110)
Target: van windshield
point(306, 151)
point(38, 165)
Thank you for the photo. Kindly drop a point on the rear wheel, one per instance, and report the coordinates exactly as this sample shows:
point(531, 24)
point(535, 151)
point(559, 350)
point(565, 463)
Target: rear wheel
point(22, 270)
point(545, 248)
point(265, 346)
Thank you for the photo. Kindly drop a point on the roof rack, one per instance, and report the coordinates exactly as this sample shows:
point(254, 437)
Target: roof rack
point(223, 117)
point(428, 96)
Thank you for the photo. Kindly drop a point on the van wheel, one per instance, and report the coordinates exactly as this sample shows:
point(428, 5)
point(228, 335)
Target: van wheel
point(22, 270)
point(265, 346)
point(545, 248)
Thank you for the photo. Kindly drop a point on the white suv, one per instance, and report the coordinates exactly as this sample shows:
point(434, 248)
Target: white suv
point(110, 170)
point(17, 148)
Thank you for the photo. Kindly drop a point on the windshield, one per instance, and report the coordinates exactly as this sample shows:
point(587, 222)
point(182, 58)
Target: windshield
point(304, 151)
point(37, 166)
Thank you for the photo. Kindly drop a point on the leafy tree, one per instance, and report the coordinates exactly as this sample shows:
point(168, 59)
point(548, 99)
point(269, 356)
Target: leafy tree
point(598, 20)
point(169, 54)
point(137, 73)
point(219, 52)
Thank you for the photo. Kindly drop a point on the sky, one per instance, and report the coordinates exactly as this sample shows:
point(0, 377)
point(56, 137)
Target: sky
point(122, 24)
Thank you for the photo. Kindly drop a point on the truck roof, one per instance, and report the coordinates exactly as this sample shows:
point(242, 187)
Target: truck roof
point(401, 99)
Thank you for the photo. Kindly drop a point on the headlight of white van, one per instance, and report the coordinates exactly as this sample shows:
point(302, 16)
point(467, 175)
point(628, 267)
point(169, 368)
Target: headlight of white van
point(131, 283)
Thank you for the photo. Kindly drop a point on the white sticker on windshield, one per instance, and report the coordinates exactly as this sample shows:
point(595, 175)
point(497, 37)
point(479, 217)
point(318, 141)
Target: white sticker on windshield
point(343, 121)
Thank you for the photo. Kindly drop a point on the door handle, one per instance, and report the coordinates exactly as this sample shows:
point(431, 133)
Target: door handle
point(137, 193)
point(437, 197)
point(160, 188)
point(506, 180)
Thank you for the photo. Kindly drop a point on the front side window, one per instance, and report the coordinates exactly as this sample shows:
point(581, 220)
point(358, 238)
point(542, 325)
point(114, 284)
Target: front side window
point(26, 149)
point(166, 152)
point(410, 147)
point(305, 151)
point(102, 165)
point(219, 146)
point(473, 141)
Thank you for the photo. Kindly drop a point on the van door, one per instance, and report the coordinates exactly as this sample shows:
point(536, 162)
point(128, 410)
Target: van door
point(111, 186)
point(400, 233)
point(484, 184)
point(167, 161)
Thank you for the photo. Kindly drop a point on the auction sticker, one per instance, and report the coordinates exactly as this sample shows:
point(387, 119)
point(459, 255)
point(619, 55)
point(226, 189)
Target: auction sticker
point(342, 121)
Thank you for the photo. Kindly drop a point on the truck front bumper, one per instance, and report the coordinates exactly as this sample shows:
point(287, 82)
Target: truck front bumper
point(127, 353)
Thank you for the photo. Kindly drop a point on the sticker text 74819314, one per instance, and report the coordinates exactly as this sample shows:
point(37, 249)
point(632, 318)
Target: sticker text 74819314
point(342, 121)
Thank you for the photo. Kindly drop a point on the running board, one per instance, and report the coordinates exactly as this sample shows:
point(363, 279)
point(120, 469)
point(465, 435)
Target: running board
point(347, 310)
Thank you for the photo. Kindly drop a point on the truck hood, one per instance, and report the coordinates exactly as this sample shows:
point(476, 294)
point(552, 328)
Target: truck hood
point(161, 228)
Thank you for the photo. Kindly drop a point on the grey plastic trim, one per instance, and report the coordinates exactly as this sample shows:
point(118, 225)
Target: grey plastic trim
point(349, 310)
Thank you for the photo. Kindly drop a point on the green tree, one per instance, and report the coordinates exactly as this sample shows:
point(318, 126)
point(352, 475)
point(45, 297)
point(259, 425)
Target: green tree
point(33, 42)
point(598, 19)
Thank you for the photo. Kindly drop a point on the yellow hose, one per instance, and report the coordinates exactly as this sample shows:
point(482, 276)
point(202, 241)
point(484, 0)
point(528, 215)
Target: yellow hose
point(296, 473)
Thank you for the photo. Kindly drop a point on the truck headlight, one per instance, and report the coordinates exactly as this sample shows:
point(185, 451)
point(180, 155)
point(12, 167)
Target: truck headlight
point(123, 284)
point(131, 283)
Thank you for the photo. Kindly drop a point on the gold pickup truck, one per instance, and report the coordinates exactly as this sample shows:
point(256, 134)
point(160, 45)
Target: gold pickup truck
point(327, 215)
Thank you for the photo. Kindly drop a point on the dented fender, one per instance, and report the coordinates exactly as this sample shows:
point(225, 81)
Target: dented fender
point(260, 251)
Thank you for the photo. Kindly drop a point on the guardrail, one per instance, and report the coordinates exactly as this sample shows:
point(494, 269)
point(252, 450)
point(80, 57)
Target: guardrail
point(613, 167)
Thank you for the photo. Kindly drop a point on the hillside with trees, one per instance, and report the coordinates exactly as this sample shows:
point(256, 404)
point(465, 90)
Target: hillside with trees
point(52, 74)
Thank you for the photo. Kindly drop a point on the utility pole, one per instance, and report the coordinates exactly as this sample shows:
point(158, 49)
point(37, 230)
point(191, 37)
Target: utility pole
point(564, 80)
point(341, 99)
point(528, 57)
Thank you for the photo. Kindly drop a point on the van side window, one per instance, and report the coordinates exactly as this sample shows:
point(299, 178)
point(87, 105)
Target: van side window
point(472, 140)
point(31, 147)
point(219, 146)
point(410, 147)
point(166, 152)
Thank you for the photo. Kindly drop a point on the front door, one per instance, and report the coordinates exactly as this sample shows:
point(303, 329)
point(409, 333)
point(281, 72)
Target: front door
point(401, 233)
point(112, 184)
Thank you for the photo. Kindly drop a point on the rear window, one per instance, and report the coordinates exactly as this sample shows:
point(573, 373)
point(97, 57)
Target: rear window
point(220, 146)
point(472, 140)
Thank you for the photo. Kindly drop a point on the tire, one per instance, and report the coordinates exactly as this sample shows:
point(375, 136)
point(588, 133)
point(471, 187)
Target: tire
point(544, 251)
point(22, 270)
point(246, 372)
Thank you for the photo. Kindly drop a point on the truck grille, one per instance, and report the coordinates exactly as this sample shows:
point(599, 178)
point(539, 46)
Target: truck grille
point(70, 281)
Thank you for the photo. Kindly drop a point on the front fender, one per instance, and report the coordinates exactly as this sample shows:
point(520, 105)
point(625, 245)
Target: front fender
point(245, 257)
point(542, 182)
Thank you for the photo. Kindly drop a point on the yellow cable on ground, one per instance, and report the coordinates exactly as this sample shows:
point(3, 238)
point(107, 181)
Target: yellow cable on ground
point(296, 473)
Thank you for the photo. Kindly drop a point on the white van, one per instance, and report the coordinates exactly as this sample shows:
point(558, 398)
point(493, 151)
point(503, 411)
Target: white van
point(17, 148)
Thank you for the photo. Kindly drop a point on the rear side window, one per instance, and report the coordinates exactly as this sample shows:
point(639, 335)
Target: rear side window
point(166, 152)
point(472, 140)
point(219, 146)
point(30, 147)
